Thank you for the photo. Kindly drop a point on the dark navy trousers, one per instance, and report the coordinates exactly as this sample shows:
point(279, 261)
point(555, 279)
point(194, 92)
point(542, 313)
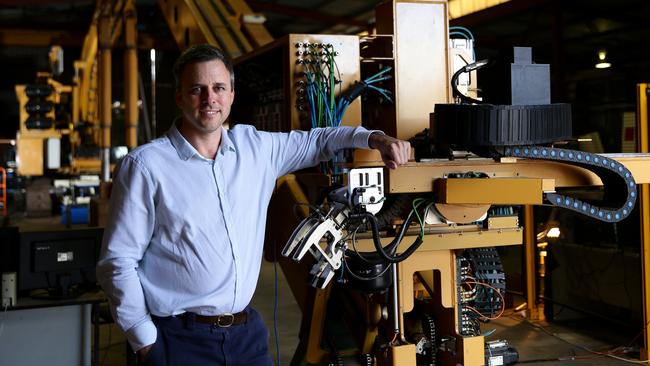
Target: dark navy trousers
point(182, 341)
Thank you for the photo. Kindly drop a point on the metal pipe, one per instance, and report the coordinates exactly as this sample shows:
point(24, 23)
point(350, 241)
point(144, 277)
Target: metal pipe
point(395, 287)
point(152, 55)
point(75, 96)
point(105, 91)
point(106, 164)
point(131, 76)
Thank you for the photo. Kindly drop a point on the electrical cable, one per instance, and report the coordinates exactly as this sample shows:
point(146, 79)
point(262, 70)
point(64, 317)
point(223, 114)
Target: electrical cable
point(405, 226)
point(354, 247)
point(489, 333)
point(467, 68)
point(462, 31)
point(603, 354)
point(386, 253)
point(324, 109)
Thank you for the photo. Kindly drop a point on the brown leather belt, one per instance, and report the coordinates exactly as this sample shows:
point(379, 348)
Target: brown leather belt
point(223, 320)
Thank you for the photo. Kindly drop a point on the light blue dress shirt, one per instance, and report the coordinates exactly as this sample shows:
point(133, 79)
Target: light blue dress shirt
point(186, 233)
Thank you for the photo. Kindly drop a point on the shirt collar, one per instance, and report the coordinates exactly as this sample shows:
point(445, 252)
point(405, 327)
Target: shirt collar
point(226, 142)
point(186, 150)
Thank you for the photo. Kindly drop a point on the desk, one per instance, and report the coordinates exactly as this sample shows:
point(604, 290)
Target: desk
point(51, 332)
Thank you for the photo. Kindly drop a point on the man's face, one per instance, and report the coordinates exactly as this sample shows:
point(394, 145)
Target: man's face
point(205, 96)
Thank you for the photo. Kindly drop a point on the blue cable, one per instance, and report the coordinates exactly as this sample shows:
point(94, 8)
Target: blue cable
point(489, 332)
point(382, 72)
point(463, 29)
point(465, 36)
point(465, 33)
point(332, 115)
point(383, 92)
point(378, 80)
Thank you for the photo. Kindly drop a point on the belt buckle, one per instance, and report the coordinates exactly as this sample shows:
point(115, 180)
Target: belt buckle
point(225, 320)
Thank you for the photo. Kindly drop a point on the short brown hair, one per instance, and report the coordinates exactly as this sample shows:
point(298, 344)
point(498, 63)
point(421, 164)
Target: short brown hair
point(201, 53)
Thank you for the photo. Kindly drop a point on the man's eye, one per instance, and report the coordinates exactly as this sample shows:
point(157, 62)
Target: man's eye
point(195, 91)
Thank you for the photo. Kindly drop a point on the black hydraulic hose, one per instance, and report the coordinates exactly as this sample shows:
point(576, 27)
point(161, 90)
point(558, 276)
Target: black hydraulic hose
point(454, 81)
point(381, 250)
point(454, 86)
point(392, 247)
point(352, 93)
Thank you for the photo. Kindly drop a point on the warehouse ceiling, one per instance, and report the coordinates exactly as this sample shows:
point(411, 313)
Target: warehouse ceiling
point(70, 19)
point(572, 30)
point(579, 27)
point(565, 33)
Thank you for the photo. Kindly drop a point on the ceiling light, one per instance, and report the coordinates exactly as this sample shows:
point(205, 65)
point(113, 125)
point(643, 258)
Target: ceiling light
point(602, 60)
point(553, 232)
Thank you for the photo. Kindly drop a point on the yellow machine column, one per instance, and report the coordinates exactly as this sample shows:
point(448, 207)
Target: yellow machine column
point(131, 75)
point(644, 210)
point(105, 90)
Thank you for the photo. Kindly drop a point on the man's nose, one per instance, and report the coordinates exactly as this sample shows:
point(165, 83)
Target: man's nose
point(209, 97)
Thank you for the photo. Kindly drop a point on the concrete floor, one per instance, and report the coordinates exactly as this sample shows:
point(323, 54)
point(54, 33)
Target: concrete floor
point(538, 343)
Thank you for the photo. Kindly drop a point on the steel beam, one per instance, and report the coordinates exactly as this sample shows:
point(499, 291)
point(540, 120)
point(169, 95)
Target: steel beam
point(105, 88)
point(419, 177)
point(644, 210)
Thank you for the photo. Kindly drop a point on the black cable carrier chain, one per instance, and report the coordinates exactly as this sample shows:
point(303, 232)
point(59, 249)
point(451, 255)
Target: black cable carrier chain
point(429, 330)
point(518, 131)
point(620, 191)
point(488, 269)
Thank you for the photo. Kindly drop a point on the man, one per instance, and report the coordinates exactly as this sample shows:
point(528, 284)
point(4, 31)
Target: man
point(183, 245)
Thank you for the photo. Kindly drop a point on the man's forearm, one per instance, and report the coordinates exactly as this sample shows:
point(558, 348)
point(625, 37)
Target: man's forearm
point(122, 286)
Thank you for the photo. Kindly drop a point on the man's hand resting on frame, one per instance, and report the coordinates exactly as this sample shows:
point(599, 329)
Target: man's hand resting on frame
point(394, 152)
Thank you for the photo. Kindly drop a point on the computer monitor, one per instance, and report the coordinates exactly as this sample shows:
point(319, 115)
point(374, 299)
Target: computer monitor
point(59, 264)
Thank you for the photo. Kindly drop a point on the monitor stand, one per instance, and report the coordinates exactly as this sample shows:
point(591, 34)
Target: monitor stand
point(63, 289)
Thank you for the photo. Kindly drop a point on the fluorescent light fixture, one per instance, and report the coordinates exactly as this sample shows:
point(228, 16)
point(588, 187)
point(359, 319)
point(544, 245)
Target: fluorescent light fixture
point(553, 232)
point(602, 60)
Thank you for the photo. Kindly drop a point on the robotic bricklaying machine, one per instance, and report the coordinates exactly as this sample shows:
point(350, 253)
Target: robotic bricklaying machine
point(401, 268)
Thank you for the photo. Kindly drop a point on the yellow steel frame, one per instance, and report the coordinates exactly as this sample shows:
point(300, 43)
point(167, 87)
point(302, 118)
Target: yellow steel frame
point(29, 142)
point(85, 79)
point(644, 209)
point(435, 257)
point(437, 252)
point(503, 191)
point(221, 23)
point(534, 311)
point(420, 177)
point(414, 56)
point(421, 78)
point(91, 90)
point(131, 75)
point(459, 8)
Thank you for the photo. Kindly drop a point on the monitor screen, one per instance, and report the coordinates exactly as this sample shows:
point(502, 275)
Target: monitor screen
point(60, 263)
